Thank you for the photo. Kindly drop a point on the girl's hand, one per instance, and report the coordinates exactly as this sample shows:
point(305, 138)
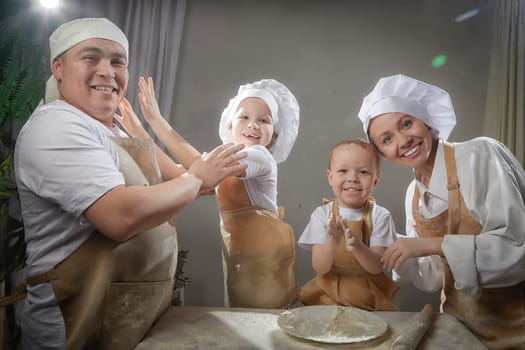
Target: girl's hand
point(148, 102)
point(129, 120)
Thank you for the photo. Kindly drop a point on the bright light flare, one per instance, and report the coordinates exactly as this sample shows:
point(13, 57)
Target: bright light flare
point(466, 15)
point(49, 4)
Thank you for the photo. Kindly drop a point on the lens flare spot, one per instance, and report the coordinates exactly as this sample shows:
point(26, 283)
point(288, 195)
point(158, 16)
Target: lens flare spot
point(439, 60)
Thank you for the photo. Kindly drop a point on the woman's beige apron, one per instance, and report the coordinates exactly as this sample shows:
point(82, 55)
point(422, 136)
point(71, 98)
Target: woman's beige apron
point(497, 317)
point(347, 283)
point(258, 252)
point(111, 293)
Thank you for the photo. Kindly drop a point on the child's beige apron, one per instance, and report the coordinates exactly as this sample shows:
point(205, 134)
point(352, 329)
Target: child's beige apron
point(111, 293)
point(347, 283)
point(258, 252)
point(497, 317)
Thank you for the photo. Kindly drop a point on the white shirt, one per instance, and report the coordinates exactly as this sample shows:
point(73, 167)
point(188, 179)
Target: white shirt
point(316, 232)
point(492, 183)
point(261, 177)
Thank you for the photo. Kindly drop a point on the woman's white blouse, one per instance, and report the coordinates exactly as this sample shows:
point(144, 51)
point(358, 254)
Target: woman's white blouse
point(492, 183)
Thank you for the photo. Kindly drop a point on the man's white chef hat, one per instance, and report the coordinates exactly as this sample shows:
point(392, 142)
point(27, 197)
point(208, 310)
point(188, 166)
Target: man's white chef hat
point(399, 93)
point(71, 33)
point(283, 106)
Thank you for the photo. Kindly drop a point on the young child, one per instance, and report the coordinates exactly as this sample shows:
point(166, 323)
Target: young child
point(348, 235)
point(258, 247)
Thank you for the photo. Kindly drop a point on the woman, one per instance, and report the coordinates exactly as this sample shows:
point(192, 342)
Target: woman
point(465, 210)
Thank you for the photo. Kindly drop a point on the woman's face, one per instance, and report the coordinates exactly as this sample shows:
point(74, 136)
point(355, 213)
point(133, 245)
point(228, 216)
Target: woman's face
point(252, 123)
point(402, 139)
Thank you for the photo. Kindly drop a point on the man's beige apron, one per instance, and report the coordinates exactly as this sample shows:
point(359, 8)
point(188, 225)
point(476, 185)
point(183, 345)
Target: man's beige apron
point(111, 293)
point(497, 317)
point(348, 283)
point(258, 252)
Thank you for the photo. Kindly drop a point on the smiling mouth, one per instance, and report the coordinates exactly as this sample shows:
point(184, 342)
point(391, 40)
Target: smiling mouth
point(411, 151)
point(104, 88)
point(251, 136)
point(351, 189)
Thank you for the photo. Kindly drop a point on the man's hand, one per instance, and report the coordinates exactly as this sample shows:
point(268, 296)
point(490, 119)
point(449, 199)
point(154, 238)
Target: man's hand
point(217, 165)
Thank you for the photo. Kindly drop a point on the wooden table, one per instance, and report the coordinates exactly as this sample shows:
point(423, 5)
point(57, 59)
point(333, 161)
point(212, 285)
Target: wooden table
point(238, 328)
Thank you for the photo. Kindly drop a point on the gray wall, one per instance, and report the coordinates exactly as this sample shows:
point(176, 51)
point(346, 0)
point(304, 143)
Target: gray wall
point(330, 54)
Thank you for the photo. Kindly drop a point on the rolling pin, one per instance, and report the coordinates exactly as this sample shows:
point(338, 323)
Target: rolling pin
point(414, 332)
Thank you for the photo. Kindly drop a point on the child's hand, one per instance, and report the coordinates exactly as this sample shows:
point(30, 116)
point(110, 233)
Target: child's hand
point(351, 242)
point(335, 230)
point(148, 102)
point(129, 120)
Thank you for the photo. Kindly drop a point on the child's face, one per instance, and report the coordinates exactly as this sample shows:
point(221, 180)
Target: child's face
point(352, 174)
point(252, 123)
point(402, 139)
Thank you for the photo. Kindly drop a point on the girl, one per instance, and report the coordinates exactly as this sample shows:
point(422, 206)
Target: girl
point(258, 247)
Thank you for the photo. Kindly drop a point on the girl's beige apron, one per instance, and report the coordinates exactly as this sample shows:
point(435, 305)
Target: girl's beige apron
point(111, 293)
point(497, 316)
point(258, 252)
point(347, 283)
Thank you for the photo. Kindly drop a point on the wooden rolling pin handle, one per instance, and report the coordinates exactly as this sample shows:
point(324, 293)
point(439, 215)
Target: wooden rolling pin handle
point(415, 331)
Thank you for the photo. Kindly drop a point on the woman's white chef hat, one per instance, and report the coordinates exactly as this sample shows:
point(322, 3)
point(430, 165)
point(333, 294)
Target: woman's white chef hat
point(399, 93)
point(71, 33)
point(283, 106)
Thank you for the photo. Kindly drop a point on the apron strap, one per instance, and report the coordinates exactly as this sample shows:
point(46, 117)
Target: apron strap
point(453, 188)
point(21, 288)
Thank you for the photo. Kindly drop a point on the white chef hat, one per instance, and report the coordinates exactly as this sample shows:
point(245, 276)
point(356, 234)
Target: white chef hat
point(71, 33)
point(283, 106)
point(399, 93)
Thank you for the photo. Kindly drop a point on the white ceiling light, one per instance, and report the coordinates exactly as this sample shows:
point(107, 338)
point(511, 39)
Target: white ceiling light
point(49, 3)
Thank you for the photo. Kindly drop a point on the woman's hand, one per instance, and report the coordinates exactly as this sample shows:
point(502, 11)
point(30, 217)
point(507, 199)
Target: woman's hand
point(406, 248)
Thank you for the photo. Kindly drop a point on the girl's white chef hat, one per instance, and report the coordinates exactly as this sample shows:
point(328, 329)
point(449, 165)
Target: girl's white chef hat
point(399, 93)
point(283, 106)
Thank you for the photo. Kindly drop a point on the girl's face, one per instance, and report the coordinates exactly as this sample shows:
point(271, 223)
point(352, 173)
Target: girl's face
point(353, 174)
point(252, 123)
point(402, 139)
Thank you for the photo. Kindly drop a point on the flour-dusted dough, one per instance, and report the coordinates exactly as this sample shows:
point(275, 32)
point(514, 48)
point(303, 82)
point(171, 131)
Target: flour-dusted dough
point(332, 324)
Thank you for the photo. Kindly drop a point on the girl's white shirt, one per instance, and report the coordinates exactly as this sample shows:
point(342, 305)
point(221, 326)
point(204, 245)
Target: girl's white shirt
point(261, 177)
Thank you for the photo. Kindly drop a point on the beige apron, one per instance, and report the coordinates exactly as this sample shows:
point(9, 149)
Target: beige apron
point(258, 252)
point(111, 293)
point(347, 283)
point(497, 317)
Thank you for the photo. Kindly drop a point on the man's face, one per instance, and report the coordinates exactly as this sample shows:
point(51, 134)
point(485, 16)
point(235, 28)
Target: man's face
point(93, 76)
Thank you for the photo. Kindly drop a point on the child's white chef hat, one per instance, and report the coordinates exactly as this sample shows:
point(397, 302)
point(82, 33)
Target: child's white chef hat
point(283, 106)
point(399, 93)
point(73, 32)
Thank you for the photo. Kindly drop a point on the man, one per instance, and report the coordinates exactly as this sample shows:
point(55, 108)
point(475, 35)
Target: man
point(101, 253)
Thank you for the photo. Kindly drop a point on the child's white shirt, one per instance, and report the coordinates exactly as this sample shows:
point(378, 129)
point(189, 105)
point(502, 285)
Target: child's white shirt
point(261, 177)
point(316, 232)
